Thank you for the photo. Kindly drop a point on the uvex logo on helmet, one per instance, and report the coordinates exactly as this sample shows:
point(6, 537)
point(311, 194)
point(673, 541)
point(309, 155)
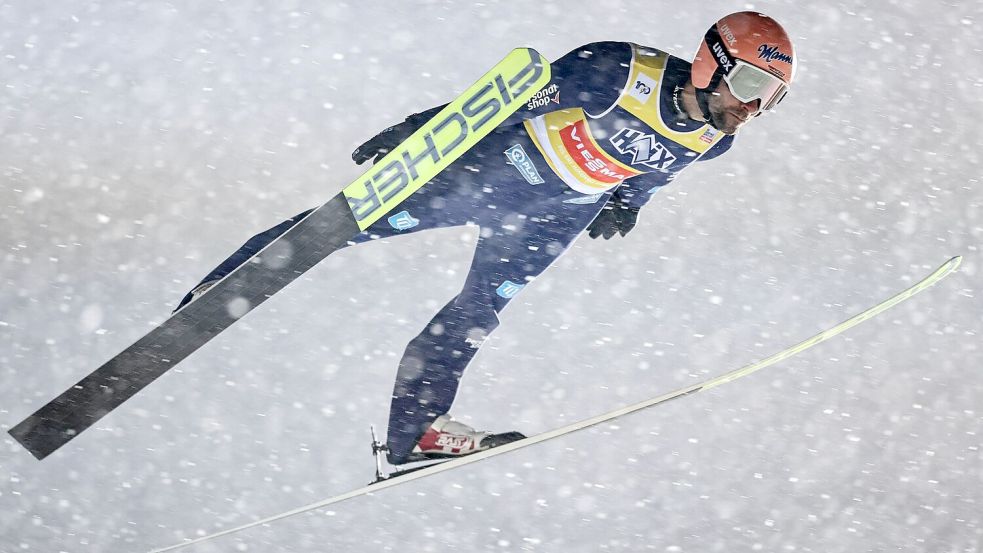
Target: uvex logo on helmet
point(722, 58)
point(727, 34)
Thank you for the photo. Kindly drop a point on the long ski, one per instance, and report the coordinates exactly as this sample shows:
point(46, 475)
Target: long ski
point(433, 147)
point(430, 470)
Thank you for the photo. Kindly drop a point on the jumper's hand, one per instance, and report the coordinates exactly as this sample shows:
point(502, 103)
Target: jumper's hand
point(615, 218)
point(381, 144)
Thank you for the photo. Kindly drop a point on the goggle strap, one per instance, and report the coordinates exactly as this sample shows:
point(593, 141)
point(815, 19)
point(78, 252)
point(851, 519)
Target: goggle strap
point(713, 37)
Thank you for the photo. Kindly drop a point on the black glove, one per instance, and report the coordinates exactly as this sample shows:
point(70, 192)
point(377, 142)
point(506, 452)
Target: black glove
point(381, 144)
point(616, 217)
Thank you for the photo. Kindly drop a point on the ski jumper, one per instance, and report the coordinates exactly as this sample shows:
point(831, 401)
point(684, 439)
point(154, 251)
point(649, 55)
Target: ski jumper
point(605, 125)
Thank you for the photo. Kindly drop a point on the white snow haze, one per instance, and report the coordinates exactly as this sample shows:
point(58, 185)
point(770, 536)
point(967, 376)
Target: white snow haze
point(141, 142)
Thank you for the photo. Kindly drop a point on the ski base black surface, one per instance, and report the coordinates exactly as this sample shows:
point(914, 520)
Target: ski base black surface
point(323, 231)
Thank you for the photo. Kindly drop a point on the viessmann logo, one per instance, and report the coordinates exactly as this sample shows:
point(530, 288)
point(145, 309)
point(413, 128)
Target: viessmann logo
point(587, 156)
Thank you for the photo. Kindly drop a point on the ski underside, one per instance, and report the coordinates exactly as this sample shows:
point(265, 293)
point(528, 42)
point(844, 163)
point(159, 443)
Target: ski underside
point(429, 150)
point(402, 477)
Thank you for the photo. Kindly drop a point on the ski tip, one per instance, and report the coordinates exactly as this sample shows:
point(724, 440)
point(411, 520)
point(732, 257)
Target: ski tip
point(532, 51)
point(40, 437)
point(535, 56)
point(948, 267)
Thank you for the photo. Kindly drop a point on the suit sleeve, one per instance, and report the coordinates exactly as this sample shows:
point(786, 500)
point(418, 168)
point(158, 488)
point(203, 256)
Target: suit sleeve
point(638, 190)
point(718, 149)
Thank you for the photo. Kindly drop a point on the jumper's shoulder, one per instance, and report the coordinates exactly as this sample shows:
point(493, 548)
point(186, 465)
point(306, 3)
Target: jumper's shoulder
point(641, 53)
point(604, 47)
point(718, 149)
point(610, 54)
point(678, 62)
point(643, 50)
point(600, 53)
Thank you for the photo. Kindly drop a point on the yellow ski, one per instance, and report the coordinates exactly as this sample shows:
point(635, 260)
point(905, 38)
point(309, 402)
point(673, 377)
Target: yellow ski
point(407, 476)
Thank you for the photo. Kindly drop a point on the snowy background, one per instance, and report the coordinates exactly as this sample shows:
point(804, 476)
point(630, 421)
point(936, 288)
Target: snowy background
point(141, 142)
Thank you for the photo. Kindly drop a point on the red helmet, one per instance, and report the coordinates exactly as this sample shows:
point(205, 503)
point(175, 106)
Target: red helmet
point(752, 53)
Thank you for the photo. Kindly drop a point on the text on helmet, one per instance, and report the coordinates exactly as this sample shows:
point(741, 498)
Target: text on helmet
point(771, 53)
point(722, 57)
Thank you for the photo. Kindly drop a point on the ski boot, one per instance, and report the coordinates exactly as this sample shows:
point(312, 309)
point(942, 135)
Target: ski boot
point(444, 440)
point(447, 438)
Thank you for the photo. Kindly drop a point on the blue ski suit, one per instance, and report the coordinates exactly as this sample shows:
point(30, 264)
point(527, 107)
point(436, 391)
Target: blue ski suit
point(607, 128)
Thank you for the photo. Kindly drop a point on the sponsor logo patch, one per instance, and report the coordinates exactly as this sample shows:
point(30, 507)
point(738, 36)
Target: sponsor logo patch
point(722, 57)
point(586, 199)
point(403, 221)
point(452, 441)
point(588, 157)
point(548, 95)
point(728, 34)
point(772, 53)
point(509, 289)
point(642, 88)
point(644, 149)
point(518, 158)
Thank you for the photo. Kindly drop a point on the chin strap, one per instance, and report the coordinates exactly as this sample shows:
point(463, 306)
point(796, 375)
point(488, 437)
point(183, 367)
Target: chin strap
point(703, 94)
point(703, 102)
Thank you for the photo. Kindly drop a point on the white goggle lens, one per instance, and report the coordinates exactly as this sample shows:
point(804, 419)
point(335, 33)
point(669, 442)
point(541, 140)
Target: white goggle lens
point(749, 83)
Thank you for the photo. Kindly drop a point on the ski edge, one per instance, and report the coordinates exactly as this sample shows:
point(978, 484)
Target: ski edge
point(944, 270)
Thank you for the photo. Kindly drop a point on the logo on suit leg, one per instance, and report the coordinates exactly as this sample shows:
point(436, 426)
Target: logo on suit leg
point(518, 157)
point(509, 289)
point(586, 199)
point(403, 221)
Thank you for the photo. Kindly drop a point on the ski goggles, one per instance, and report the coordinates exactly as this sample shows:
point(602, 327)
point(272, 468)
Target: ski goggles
point(749, 83)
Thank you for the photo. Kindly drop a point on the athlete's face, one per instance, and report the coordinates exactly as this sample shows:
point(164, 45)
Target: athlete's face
point(727, 113)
